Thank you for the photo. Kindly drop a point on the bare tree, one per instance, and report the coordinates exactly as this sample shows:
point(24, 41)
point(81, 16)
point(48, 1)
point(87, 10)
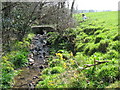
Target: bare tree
point(72, 7)
point(19, 16)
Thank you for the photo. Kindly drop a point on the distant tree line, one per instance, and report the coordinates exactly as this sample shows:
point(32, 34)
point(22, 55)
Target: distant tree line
point(86, 11)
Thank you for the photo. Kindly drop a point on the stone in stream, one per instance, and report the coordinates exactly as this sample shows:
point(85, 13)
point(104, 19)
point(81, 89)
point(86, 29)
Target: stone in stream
point(35, 77)
point(35, 41)
point(22, 78)
point(34, 52)
point(31, 85)
point(44, 42)
point(39, 43)
point(31, 46)
point(36, 38)
point(31, 60)
point(40, 57)
point(41, 67)
point(30, 55)
point(39, 49)
point(40, 52)
point(44, 32)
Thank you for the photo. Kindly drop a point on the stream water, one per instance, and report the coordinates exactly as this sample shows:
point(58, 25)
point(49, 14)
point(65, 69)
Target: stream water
point(29, 76)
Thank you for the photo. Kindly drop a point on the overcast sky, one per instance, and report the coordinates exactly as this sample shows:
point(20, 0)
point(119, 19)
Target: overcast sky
point(88, 4)
point(97, 4)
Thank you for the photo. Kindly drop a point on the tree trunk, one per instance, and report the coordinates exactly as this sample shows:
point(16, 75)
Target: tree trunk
point(6, 24)
point(72, 7)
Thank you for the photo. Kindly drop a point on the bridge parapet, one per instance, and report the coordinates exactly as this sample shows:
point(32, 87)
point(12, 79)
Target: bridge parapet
point(41, 28)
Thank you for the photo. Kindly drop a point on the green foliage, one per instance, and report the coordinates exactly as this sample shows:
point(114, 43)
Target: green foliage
point(115, 46)
point(29, 37)
point(13, 60)
point(19, 59)
point(79, 81)
point(80, 58)
point(112, 54)
point(63, 41)
point(52, 36)
point(20, 46)
point(94, 39)
point(108, 73)
point(53, 70)
point(90, 30)
point(19, 54)
point(8, 73)
point(47, 83)
point(104, 74)
point(91, 48)
point(55, 62)
point(114, 85)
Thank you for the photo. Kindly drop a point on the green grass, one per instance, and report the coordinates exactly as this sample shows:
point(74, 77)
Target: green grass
point(96, 38)
point(107, 19)
point(99, 30)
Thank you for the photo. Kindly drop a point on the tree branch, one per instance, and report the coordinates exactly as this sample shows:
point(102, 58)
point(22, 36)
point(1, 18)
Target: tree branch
point(11, 5)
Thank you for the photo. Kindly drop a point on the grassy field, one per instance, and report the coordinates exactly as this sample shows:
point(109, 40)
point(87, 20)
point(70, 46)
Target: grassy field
point(101, 27)
point(108, 18)
point(94, 39)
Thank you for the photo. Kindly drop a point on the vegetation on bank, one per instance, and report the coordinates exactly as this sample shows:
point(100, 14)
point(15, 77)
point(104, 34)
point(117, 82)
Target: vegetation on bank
point(14, 60)
point(94, 39)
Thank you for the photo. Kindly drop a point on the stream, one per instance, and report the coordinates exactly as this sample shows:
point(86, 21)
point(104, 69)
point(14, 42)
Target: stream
point(29, 76)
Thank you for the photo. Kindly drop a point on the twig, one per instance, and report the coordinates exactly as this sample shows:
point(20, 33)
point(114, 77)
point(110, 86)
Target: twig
point(98, 63)
point(11, 5)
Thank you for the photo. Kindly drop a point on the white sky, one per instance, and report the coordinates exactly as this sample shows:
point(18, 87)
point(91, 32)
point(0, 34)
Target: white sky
point(88, 4)
point(96, 4)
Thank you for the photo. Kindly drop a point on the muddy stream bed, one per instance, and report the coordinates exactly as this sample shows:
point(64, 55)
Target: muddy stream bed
point(29, 76)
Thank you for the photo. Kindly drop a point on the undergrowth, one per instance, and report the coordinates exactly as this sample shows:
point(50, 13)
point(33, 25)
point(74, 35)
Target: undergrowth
point(70, 52)
point(14, 60)
point(94, 39)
